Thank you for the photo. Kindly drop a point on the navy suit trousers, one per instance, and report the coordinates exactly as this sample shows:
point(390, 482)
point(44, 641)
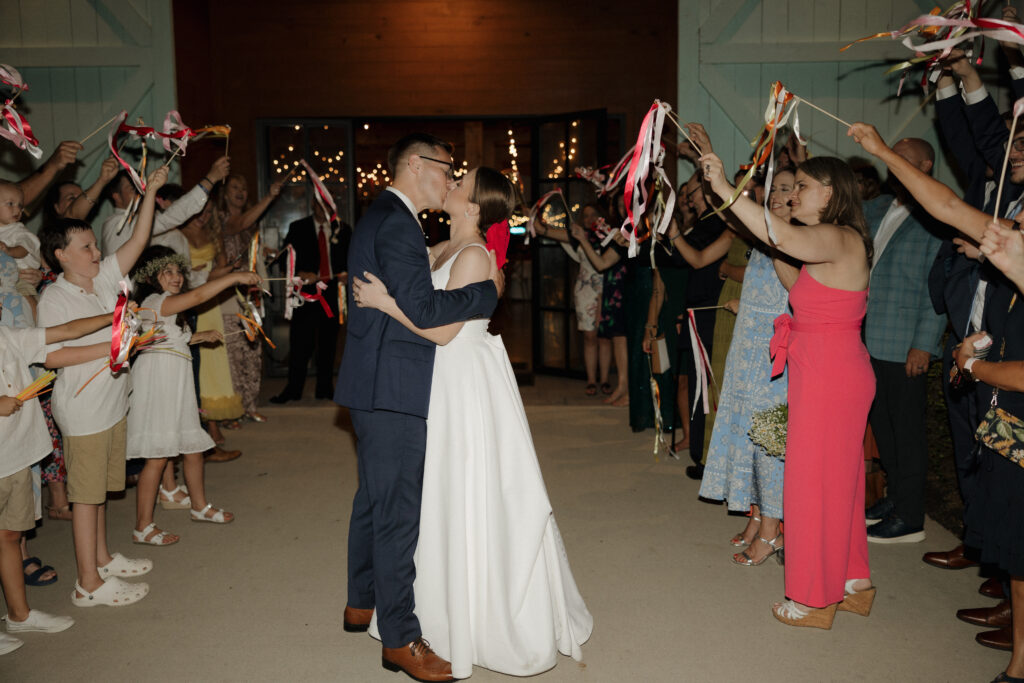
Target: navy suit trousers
point(385, 522)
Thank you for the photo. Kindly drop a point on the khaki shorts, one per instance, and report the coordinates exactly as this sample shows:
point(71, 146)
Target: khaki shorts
point(17, 503)
point(95, 464)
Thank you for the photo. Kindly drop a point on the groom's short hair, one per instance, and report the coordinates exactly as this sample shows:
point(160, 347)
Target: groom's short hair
point(415, 143)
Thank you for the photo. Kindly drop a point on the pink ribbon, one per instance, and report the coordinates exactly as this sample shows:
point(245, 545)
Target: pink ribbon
point(778, 348)
point(18, 131)
point(702, 363)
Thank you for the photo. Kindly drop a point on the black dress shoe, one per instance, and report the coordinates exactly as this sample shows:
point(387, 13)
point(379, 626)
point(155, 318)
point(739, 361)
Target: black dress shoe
point(283, 398)
point(879, 511)
point(892, 529)
point(695, 472)
point(325, 395)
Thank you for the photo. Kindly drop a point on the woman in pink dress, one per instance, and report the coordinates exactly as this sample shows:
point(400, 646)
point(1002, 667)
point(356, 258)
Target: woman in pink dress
point(831, 386)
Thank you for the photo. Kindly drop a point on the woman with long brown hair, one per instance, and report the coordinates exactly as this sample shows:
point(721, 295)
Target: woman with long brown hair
point(831, 386)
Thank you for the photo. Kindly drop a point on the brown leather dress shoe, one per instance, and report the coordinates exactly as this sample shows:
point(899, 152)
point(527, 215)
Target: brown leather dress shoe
point(951, 559)
point(418, 661)
point(992, 588)
point(993, 617)
point(357, 620)
point(999, 640)
point(218, 454)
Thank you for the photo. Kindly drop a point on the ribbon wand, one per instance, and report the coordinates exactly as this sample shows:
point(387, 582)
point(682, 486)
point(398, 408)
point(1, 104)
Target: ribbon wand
point(102, 127)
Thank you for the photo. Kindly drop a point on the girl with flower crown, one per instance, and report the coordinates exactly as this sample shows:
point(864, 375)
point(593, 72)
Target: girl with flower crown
point(163, 421)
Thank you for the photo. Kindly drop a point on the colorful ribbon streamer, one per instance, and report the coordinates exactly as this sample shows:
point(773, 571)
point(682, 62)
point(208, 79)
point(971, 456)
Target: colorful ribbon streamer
point(705, 375)
point(17, 130)
point(648, 151)
point(323, 197)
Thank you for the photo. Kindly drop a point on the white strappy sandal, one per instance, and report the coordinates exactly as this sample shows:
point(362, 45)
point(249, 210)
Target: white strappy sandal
point(156, 539)
point(217, 517)
point(167, 501)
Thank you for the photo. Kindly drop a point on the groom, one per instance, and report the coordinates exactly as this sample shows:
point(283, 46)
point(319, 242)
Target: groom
point(384, 380)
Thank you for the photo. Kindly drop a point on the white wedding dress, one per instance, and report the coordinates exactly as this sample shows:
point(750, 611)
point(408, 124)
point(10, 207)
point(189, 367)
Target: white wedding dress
point(493, 585)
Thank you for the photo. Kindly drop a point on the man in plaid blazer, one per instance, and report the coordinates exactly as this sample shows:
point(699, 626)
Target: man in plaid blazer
point(902, 334)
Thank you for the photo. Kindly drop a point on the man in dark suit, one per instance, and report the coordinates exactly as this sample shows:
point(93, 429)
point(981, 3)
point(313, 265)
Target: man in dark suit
point(384, 380)
point(321, 251)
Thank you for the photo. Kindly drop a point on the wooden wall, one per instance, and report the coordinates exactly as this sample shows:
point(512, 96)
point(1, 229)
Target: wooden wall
point(84, 61)
point(242, 60)
point(730, 51)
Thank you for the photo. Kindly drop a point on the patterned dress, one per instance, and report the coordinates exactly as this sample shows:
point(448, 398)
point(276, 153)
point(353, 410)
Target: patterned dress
point(245, 357)
point(737, 471)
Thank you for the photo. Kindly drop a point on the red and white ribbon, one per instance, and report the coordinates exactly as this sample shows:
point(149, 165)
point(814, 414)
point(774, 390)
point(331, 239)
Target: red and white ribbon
point(648, 151)
point(175, 134)
point(323, 197)
point(292, 300)
point(17, 130)
point(10, 76)
point(124, 330)
point(702, 362)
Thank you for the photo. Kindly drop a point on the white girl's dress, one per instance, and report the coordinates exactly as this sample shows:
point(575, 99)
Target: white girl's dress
point(493, 585)
point(163, 417)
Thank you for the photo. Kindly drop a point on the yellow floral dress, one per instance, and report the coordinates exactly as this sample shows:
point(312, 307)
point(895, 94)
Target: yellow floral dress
point(218, 399)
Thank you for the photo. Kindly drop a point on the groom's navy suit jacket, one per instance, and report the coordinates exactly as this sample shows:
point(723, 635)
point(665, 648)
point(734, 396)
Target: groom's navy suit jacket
point(385, 366)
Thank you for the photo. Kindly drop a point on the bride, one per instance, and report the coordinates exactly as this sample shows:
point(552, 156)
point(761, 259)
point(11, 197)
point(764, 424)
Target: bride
point(493, 585)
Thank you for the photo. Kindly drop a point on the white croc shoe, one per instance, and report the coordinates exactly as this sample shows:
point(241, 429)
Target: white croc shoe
point(122, 566)
point(114, 592)
point(41, 622)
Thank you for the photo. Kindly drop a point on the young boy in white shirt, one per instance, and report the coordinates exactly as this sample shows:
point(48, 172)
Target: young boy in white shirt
point(92, 422)
point(26, 441)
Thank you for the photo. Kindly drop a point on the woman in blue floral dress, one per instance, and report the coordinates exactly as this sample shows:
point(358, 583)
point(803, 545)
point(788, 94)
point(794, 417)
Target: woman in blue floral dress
point(737, 471)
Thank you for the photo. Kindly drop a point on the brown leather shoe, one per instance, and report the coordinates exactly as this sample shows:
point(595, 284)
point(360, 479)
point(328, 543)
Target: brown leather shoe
point(218, 454)
point(418, 661)
point(993, 617)
point(999, 640)
point(357, 620)
point(992, 588)
point(951, 559)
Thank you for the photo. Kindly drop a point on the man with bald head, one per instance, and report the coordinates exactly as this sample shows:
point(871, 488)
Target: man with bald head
point(902, 333)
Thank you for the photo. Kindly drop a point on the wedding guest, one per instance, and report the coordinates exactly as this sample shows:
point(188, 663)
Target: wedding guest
point(586, 297)
point(826, 544)
point(235, 224)
point(902, 334)
point(321, 254)
point(737, 471)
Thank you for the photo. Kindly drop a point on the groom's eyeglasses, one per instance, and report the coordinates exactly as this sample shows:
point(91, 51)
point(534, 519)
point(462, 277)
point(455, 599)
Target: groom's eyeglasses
point(450, 173)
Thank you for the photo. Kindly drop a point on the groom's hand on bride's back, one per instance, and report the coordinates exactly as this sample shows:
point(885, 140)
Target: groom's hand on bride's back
point(497, 277)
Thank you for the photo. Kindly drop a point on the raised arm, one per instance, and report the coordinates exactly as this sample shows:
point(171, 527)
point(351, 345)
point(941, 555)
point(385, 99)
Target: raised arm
point(698, 258)
point(247, 218)
point(471, 266)
point(88, 199)
point(825, 243)
point(934, 197)
point(193, 201)
point(173, 305)
point(130, 251)
point(35, 185)
point(602, 261)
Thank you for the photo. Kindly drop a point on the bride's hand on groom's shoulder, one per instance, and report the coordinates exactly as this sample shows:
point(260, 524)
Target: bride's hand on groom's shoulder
point(497, 276)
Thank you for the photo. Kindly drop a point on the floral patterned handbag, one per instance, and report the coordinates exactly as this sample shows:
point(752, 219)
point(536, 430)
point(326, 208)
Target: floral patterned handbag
point(999, 430)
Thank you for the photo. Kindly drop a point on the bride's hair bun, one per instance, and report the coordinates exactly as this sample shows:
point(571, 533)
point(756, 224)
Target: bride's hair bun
point(495, 196)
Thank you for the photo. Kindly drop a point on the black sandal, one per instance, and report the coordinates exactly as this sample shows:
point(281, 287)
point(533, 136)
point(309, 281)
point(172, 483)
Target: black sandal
point(591, 390)
point(606, 389)
point(33, 578)
point(1006, 678)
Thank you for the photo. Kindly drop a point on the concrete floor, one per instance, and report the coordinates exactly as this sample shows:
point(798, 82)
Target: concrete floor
point(261, 599)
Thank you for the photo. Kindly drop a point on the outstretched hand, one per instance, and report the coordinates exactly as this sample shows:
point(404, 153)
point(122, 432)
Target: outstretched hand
point(1005, 249)
point(865, 135)
point(714, 173)
point(371, 292)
